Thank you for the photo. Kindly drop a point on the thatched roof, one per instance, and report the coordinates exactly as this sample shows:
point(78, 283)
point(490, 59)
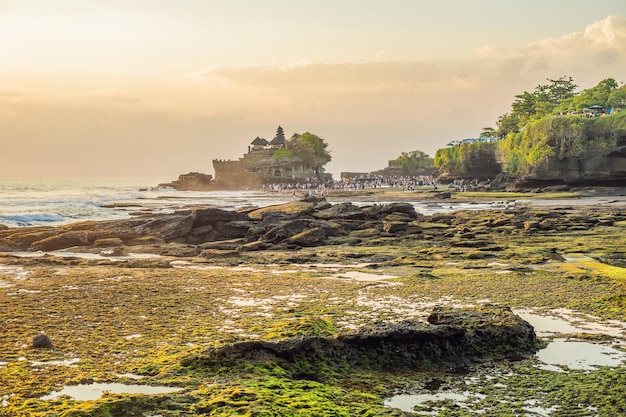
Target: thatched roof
point(259, 141)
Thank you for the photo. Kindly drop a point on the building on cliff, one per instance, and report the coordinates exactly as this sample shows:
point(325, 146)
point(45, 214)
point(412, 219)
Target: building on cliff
point(266, 162)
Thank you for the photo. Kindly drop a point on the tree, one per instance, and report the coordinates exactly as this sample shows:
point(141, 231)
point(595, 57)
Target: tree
point(617, 98)
point(413, 163)
point(556, 90)
point(488, 132)
point(545, 100)
point(311, 149)
point(507, 123)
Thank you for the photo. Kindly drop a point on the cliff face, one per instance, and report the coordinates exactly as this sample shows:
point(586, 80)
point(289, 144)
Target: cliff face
point(468, 161)
point(595, 167)
point(569, 150)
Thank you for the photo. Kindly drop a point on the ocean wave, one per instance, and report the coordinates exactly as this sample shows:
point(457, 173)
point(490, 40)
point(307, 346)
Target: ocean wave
point(32, 218)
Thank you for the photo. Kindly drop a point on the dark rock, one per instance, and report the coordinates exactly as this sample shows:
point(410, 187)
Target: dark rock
point(443, 195)
point(193, 181)
point(234, 229)
point(213, 216)
point(556, 188)
point(453, 338)
point(405, 208)
point(41, 341)
point(170, 227)
point(342, 211)
point(308, 237)
point(329, 228)
point(286, 230)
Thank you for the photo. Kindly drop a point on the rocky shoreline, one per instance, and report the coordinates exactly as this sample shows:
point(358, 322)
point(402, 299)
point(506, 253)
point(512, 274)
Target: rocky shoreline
point(312, 306)
point(311, 222)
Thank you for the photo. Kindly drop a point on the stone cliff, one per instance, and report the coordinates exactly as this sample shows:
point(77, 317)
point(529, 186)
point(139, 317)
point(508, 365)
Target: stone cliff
point(568, 150)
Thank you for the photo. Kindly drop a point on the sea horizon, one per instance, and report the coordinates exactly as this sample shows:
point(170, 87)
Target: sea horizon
point(36, 201)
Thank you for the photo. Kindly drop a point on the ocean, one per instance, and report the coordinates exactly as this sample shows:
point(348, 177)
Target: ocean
point(57, 201)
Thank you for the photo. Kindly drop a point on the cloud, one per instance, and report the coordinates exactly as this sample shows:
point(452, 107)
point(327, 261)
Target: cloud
point(598, 50)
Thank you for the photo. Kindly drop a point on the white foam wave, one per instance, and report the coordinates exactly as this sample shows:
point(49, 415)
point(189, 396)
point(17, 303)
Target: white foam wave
point(32, 218)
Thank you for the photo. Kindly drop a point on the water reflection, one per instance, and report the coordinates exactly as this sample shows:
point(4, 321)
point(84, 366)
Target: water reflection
point(580, 355)
point(86, 392)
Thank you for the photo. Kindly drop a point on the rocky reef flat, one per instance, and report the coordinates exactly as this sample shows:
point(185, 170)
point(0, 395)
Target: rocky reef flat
point(314, 308)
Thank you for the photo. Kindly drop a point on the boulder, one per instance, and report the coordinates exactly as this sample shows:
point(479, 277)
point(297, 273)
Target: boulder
point(342, 211)
point(287, 229)
point(286, 210)
point(41, 341)
point(170, 227)
point(64, 240)
point(404, 208)
point(233, 229)
point(308, 237)
point(212, 216)
point(452, 338)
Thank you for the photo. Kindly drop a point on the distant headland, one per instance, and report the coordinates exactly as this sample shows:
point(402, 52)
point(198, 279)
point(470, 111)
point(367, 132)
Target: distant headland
point(551, 136)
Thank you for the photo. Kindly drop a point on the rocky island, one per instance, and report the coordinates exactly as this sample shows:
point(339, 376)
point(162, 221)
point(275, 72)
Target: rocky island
point(297, 160)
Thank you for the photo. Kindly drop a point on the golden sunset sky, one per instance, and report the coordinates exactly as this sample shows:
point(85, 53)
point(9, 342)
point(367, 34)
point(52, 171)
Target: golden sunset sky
point(163, 87)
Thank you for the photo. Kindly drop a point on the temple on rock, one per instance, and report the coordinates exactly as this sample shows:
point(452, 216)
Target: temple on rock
point(266, 162)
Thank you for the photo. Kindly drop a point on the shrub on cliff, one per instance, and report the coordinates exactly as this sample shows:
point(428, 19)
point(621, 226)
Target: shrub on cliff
point(469, 160)
point(559, 137)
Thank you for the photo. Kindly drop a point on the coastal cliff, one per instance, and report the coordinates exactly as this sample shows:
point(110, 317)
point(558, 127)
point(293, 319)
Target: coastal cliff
point(568, 150)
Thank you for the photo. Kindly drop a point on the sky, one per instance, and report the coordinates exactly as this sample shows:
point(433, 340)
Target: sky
point(162, 87)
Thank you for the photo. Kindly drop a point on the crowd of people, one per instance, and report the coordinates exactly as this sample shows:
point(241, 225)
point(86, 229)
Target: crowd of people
point(405, 183)
point(355, 183)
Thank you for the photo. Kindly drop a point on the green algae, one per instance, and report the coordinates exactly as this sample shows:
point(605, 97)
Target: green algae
point(118, 319)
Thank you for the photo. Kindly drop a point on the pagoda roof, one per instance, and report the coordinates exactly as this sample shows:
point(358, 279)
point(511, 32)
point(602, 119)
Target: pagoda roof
point(259, 141)
point(277, 141)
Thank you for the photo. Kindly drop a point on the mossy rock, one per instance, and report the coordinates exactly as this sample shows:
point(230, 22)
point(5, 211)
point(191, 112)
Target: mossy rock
point(294, 208)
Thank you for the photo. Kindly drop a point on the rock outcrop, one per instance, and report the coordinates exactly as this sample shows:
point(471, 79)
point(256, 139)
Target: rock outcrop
point(194, 181)
point(597, 166)
point(295, 225)
point(452, 338)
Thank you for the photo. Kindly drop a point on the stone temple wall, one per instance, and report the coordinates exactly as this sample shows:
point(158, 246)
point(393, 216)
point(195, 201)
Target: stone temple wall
point(259, 167)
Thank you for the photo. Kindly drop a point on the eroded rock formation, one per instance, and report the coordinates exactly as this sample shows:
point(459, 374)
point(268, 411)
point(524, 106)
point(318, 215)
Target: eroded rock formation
point(452, 338)
point(206, 231)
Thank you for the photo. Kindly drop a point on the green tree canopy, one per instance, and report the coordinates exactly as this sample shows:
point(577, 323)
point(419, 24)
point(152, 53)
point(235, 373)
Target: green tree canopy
point(413, 163)
point(311, 148)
